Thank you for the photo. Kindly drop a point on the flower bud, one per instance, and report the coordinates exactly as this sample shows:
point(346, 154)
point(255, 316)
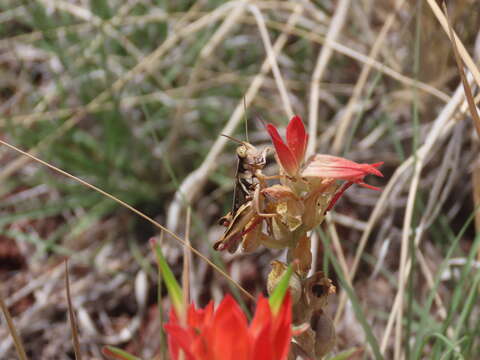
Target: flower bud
point(317, 289)
point(325, 337)
point(295, 284)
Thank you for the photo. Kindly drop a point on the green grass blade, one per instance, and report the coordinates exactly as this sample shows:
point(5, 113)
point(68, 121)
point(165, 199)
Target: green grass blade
point(449, 344)
point(276, 299)
point(425, 331)
point(117, 353)
point(347, 354)
point(174, 290)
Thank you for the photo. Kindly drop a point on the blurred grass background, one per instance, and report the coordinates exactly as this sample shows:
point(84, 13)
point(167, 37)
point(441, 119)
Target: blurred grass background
point(132, 95)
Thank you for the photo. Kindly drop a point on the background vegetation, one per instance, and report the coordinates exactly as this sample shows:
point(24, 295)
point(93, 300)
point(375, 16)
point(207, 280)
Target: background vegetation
point(131, 96)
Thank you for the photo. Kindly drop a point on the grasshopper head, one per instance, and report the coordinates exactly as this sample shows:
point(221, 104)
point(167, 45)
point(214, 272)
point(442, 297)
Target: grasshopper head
point(251, 156)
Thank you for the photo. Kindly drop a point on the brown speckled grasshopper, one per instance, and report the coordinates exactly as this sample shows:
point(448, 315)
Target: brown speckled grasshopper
point(249, 180)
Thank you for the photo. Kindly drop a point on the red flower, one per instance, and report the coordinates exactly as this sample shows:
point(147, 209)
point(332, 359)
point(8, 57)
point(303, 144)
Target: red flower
point(292, 153)
point(328, 166)
point(333, 167)
point(224, 334)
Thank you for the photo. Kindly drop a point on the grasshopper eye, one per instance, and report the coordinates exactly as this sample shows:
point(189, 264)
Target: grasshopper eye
point(242, 151)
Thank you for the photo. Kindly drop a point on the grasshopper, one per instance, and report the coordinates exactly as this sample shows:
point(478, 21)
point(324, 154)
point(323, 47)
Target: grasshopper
point(250, 164)
point(249, 180)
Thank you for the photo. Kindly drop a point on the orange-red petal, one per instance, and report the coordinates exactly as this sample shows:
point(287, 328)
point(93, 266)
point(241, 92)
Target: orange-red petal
point(297, 139)
point(196, 318)
point(224, 334)
point(272, 333)
point(328, 166)
point(261, 331)
point(179, 338)
point(229, 338)
point(263, 315)
point(282, 328)
point(285, 155)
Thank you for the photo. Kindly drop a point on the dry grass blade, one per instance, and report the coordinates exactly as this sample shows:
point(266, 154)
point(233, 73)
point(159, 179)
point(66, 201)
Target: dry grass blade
point(466, 85)
point(273, 60)
point(130, 101)
point(461, 49)
point(336, 25)
point(144, 66)
point(346, 119)
point(404, 254)
point(186, 259)
point(442, 125)
point(134, 210)
point(404, 267)
point(71, 316)
point(11, 327)
point(473, 111)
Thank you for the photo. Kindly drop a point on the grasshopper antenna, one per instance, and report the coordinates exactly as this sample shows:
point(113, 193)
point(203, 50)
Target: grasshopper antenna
point(233, 139)
point(245, 117)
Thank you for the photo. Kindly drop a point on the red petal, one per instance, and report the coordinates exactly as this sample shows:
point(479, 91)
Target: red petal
point(263, 347)
point(261, 331)
point(223, 334)
point(197, 318)
point(297, 138)
point(272, 331)
point(228, 338)
point(334, 167)
point(282, 330)
point(263, 315)
point(369, 186)
point(201, 349)
point(286, 157)
point(179, 339)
